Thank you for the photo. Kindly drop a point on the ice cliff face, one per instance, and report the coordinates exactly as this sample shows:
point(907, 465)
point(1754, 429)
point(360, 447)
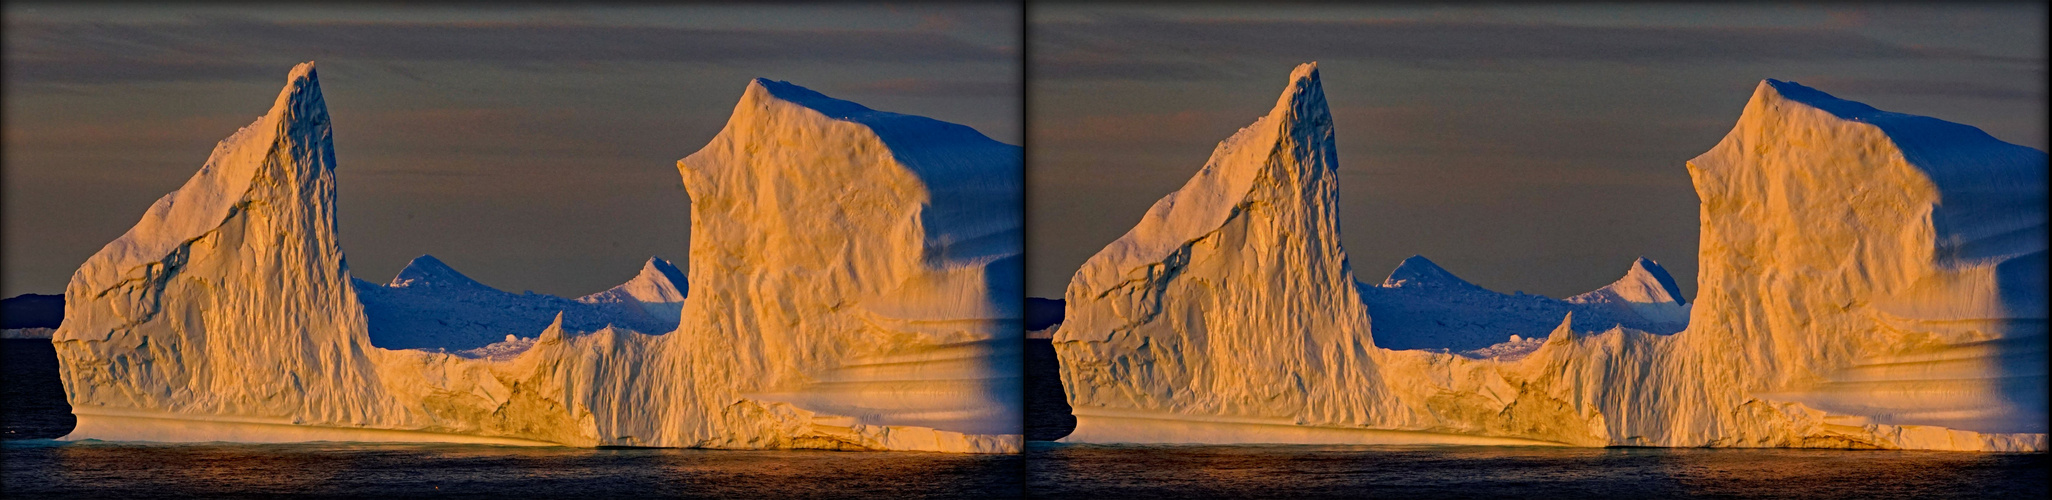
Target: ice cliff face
point(1866, 284)
point(895, 303)
point(1876, 264)
point(883, 317)
point(1232, 297)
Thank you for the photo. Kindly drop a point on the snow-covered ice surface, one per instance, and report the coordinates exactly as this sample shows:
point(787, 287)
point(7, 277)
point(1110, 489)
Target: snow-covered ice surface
point(1868, 280)
point(656, 294)
point(432, 306)
point(1423, 306)
point(854, 285)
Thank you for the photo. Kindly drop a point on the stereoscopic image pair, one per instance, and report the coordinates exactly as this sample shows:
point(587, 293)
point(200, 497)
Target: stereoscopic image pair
point(861, 279)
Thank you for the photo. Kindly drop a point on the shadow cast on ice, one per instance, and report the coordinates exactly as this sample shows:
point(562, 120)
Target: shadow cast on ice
point(854, 285)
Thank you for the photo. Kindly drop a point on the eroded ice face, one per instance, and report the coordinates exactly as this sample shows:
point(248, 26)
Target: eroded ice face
point(852, 289)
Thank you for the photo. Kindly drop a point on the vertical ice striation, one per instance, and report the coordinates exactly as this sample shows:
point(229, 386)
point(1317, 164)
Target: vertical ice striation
point(1231, 298)
point(1876, 264)
point(1869, 280)
point(231, 295)
point(855, 286)
point(858, 263)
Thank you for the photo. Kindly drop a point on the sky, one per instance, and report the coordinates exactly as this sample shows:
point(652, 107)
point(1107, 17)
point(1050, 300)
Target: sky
point(1529, 148)
point(529, 148)
point(1524, 148)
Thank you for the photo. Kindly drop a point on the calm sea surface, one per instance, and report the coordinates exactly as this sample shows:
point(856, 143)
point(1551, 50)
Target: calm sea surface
point(36, 466)
point(1083, 471)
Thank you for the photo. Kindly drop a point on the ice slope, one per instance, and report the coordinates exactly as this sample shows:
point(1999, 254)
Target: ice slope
point(432, 306)
point(821, 315)
point(1230, 299)
point(1646, 295)
point(1865, 284)
point(657, 293)
point(1423, 306)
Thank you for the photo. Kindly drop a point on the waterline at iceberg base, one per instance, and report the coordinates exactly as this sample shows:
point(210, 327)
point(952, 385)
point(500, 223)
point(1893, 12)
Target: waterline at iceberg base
point(1868, 280)
point(853, 284)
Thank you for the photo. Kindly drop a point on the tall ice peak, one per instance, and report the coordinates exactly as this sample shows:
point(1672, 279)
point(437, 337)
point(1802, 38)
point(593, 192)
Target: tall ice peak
point(1299, 119)
point(299, 117)
point(1255, 229)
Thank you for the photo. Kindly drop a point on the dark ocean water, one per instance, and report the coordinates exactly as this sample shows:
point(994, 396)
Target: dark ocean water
point(1048, 414)
point(1087, 471)
point(32, 465)
point(46, 468)
point(34, 406)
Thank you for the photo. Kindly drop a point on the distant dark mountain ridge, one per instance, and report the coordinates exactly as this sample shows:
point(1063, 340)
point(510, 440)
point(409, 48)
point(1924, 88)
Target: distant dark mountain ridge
point(32, 311)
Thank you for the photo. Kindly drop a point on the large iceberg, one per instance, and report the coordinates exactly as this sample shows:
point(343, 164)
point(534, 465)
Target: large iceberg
point(1868, 280)
point(1423, 306)
point(854, 284)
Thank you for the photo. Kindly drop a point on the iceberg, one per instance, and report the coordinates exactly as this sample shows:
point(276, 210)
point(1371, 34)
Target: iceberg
point(1646, 295)
point(656, 294)
point(430, 305)
point(854, 285)
point(1867, 280)
point(1424, 306)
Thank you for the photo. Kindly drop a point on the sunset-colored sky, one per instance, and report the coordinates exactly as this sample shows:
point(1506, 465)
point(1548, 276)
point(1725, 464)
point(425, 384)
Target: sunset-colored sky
point(1536, 148)
point(531, 148)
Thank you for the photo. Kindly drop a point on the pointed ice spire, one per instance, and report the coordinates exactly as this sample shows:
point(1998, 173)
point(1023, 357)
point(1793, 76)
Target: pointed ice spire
point(1419, 271)
point(294, 131)
point(428, 271)
point(1565, 332)
point(1295, 134)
